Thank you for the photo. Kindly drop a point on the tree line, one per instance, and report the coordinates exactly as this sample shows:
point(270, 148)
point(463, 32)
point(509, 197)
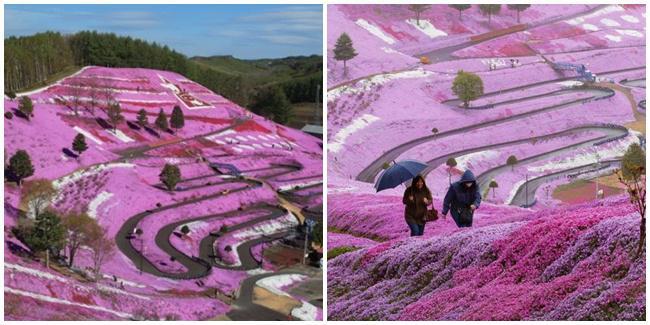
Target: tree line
point(31, 60)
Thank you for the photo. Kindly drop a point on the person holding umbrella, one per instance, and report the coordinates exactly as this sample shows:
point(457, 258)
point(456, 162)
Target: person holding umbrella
point(416, 198)
point(463, 197)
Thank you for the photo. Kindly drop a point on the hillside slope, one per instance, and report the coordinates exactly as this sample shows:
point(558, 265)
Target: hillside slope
point(159, 274)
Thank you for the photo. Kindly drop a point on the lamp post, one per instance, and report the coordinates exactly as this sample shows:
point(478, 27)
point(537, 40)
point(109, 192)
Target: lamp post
point(138, 232)
point(597, 170)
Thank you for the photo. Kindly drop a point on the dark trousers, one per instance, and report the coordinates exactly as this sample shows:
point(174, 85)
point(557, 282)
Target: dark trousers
point(462, 216)
point(416, 230)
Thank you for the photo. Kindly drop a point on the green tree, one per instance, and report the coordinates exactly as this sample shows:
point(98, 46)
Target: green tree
point(418, 10)
point(512, 161)
point(632, 176)
point(37, 195)
point(344, 51)
point(20, 166)
point(434, 131)
point(460, 9)
point(79, 143)
point(519, 9)
point(142, 118)
point(170, 176)
point(177, 120)
point(46, 235)
point(489, 10)
point(26, 106)
point(161, 121)
point(493, 185)
point(79, 229)
point(467, 86)
point(451, 163)
point(114, 114)
point(185, 230)
point(272, 102)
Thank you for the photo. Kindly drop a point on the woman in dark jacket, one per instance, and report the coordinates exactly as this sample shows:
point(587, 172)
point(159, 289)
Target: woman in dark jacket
point(416, 197)
point(463, 197)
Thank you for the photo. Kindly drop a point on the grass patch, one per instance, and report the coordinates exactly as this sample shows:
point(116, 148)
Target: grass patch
point(332, 253)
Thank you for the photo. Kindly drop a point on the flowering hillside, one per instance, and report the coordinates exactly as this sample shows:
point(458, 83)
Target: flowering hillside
point(241, 176)
point(561, 98)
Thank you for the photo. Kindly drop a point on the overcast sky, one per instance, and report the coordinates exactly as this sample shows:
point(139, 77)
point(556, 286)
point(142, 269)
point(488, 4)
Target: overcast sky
point(244, 31)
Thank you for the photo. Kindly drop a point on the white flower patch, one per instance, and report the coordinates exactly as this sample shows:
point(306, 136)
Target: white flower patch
point(597, 13)
point(34, 272)
point(629, 32)
point(120, 136)
point(366, 85)
point(41, 297)
point(609, 22)
point(87, 135)
point(356, 125)
point(299, 186)
point(96, 202)
point(570, 83)
point(374, 30)
point(590, 27)
point(275, 283)
point(465, 160)
point(106, 288)
point(587, 156)
point(630, 19)
point(614, 38)
point(65, 180)
point(426, 27)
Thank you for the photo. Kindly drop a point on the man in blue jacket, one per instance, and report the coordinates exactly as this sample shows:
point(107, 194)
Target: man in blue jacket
point(463, 197)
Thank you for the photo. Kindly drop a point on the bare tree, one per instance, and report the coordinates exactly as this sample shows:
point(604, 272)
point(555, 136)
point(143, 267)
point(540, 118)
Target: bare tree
point(107, 94)
point(102, 248)
point(79, 229)
point(94, 92)
point(76, 92)
point(37, 195)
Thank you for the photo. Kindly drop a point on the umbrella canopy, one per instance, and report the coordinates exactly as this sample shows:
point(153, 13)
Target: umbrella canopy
point(399, 173)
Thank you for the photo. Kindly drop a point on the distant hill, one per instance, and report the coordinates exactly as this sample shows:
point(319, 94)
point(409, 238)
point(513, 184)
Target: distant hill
point(296, 75)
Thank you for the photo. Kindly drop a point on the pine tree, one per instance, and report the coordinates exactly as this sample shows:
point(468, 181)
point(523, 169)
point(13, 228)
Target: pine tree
point(344, 51)
point(418, 10)
point(142, 118)
point(460, 9)
point(177, 120)
point(467, 86)
point(47, 234)
point(26, 106)
point(161, 121)
point(170, 176)
point(20, 166)
point(489, 10)
point(79, 143)
point(114, 114)
point(518, 8)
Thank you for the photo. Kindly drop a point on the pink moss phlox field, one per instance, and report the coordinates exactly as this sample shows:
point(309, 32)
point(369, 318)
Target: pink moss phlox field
point(112, 186)
point(545, 269)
